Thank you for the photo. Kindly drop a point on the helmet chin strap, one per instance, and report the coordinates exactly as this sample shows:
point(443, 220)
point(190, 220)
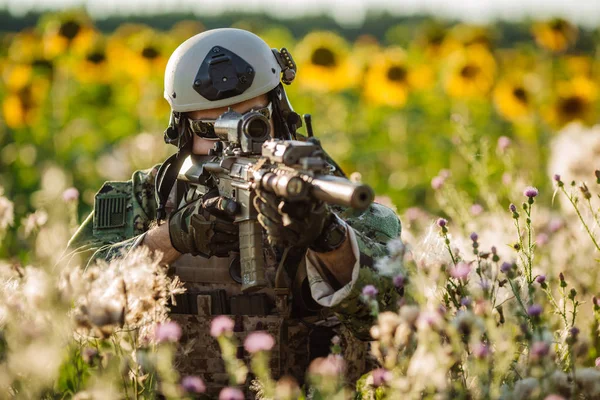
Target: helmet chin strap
point(176, 134)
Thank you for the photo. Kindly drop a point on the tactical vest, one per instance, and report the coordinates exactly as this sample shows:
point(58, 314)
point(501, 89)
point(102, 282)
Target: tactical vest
point(302, 329)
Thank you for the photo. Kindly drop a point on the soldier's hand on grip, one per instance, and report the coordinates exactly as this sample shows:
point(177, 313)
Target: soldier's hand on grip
point(290, 223)
point(205, 227)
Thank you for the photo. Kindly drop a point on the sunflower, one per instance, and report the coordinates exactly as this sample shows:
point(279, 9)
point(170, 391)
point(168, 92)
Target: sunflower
point(22, 107)
point(324, 62)
point(436, 42)
point(579, 65)
point(470, 35)
point(575, 101)
point(470, 72)
point(387, 80)
point(513, 99)
point(555, 35)
point(71, 31)
point(93, 66)
point(139, 51)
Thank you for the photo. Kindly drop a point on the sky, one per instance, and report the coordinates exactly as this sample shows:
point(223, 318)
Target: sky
point(346, 12)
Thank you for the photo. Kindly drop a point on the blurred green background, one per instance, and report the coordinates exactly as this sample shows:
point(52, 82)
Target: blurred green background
point(397, 99)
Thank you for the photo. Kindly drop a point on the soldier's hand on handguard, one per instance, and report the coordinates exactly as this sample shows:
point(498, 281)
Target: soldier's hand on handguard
point(291, 223)
point(205, 227)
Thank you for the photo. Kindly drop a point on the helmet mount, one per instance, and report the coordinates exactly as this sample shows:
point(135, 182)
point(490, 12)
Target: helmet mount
point(223, 74)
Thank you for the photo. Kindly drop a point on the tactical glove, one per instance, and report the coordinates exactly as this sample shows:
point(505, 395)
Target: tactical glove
point(205, 227)
point(290, 224)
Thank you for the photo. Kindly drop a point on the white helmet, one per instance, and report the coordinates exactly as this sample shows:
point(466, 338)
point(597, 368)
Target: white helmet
point(222, 67)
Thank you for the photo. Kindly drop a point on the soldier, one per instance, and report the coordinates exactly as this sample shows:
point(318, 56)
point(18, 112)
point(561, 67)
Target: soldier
point(332, 249)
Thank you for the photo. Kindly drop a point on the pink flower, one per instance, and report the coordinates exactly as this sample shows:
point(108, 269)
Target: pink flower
point(542, 239)
point(230, 393)
point(476, 209)
point(381, 376)
point(370, 291)
point(437, 182)
point(193, 384)
point(598, 363)
point(258, 341)
point(71, 194)
point(503, 143)
point(221, 325)
point(530, 192)
point(169, 331)
point(481, 350)
point(461, 270)
point(332, 365)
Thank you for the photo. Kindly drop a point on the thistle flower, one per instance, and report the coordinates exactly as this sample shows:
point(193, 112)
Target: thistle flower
point(330, 366)
point(437, 182)
point(399, 281)
point(474, 236)
point(441, 222)
point(541, 279)
point(258, 341)
point(167, 332)
point(506, 267)
point(512, 208)
point(230, 393)
point(461, 270)
point(535, 310)
point(481, 350)
point(476, 209)
point(221, 325)
point(557, 177)
point(193, 384)
point(381, 377)
point(504, 143)
point(70, 194)
point(530, 192)
point(539, 350)
point(370, 292)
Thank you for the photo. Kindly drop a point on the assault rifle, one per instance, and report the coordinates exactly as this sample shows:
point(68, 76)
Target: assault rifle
point(247, 158)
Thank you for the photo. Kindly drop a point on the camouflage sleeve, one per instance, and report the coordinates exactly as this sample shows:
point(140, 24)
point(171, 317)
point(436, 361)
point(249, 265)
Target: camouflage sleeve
point(123, 211)
point(369, 233)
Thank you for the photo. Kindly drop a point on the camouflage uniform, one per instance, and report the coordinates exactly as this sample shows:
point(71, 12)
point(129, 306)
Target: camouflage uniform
point(123, 213)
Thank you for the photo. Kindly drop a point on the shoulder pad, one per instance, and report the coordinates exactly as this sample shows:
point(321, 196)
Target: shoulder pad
point(376, 222)
point(112, 207)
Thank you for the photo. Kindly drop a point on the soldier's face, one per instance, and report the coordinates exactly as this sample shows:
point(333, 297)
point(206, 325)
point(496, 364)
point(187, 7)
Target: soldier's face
point(202, 146)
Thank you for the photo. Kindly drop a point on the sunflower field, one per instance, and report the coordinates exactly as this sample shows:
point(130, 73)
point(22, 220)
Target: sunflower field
point(489, 154)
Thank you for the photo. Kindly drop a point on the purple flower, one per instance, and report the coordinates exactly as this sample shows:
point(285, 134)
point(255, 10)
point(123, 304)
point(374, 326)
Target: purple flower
point(494, 250)
point(574, 331)
point(535, 310)
point(530, 192)
point(437, 182)
point(258, 341)
point(481, 350)
point(505, 267)
point(442, 222)
point(193, 384)
point(461, 270)
point(399, 281)
point(465, 301)
point(70, 194)
point(512, 208)
point(221, 325)
point(370, 291)
point(503, 143)
point(557, 177)
point(230, 393)
point(555, 225)
point(168, 331)
point(476, 209)
point(381, 376)
point(539, 349)
point(474, 237)
point(540, 279)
